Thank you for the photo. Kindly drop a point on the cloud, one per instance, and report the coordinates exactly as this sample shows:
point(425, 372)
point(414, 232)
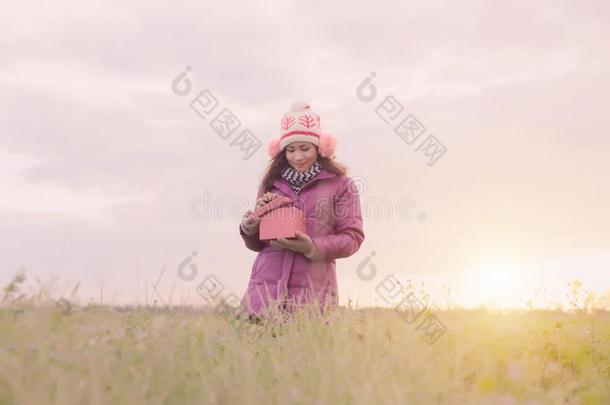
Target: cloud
point(92, 136)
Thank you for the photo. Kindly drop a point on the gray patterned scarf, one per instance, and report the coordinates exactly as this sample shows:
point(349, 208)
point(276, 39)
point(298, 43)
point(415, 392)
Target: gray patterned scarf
point(298, 179)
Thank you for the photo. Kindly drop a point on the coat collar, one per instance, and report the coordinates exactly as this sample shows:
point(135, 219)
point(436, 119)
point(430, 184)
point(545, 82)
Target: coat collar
point(283, 185)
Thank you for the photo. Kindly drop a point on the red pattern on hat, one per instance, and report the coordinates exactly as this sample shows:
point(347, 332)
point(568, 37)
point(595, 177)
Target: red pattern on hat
point(301, 124)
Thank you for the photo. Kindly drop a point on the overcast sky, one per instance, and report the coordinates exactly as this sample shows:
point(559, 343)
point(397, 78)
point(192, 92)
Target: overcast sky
point(107, 176)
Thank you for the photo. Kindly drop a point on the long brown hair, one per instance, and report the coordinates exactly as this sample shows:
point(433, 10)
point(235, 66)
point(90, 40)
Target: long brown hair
point(279, 162)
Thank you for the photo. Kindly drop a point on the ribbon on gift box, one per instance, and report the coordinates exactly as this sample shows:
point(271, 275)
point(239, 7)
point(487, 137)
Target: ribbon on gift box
point(277, 202)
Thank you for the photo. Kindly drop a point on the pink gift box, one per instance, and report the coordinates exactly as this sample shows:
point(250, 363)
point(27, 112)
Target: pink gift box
point(279, 219)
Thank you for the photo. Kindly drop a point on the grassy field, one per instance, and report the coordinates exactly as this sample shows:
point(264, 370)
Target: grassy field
point(59, 353)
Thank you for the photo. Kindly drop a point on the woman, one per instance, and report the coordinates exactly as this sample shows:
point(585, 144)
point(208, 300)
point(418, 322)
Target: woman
point(288, 273)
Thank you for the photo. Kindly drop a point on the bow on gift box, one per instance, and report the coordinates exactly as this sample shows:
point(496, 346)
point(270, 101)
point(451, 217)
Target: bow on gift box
point(277, 202)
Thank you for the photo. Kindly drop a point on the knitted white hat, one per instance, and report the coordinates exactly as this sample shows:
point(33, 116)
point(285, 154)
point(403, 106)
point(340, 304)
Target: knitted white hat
point(302, 124)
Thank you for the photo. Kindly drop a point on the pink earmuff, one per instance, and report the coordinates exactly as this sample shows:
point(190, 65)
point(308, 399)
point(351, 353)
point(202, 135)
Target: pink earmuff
point(274, 147)
point(326, 146)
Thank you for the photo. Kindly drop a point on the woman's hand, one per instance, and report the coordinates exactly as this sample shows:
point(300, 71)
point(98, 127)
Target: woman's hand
point(249, 224)
point(302, 244)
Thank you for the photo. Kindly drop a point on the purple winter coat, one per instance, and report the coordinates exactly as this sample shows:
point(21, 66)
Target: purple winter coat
point(333, 221)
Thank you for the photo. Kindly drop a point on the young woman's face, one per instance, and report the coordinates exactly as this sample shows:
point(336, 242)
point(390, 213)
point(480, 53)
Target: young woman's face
point(301, 155)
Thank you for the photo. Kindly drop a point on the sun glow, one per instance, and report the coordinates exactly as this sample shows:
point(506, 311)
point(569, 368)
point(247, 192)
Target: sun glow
point(497, 285)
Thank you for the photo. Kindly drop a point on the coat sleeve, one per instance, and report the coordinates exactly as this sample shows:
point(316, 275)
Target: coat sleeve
point(348, 233)
point(252, 241)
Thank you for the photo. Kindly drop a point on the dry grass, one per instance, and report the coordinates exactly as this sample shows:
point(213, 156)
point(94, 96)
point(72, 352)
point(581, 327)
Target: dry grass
point(55, 352)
